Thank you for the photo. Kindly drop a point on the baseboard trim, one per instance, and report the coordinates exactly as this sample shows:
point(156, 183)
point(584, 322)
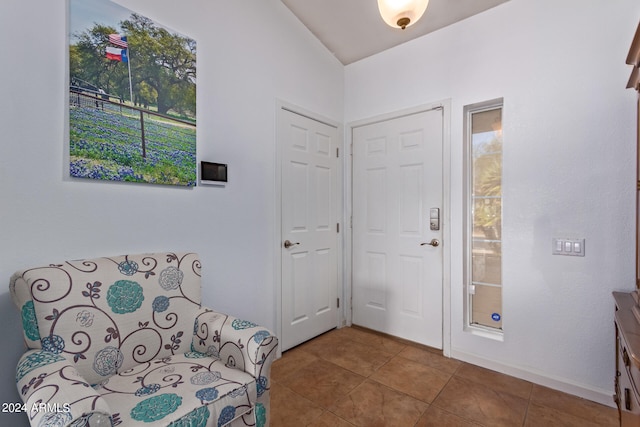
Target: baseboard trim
point(604, 397)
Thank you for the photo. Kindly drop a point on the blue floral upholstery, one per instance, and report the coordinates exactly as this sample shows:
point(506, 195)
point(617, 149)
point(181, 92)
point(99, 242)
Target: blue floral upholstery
point(125, 341)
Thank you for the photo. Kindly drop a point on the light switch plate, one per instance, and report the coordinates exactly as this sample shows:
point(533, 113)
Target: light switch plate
point(569, 247)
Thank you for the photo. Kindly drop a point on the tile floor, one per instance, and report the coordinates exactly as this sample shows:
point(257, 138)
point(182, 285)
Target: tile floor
point(355, 377)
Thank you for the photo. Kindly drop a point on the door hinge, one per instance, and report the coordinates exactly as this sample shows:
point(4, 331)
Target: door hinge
point(338, 302)
point(337, 227)
point(338, 152)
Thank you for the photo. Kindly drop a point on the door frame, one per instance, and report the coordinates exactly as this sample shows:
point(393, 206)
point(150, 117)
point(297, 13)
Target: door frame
point(282, 106)
point(445, 105)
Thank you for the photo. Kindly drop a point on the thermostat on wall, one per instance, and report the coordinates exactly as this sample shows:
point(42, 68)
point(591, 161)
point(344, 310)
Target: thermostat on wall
point(213, 173)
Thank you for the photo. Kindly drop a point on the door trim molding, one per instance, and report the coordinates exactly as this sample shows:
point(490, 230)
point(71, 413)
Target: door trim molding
point(445, 106)
point(282, 106)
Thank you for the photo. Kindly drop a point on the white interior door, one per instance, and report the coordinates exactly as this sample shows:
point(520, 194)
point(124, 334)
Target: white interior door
point(397, 180)
point(309, 228)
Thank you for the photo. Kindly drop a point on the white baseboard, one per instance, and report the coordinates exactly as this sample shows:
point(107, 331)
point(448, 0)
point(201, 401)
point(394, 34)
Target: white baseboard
point(604, 397)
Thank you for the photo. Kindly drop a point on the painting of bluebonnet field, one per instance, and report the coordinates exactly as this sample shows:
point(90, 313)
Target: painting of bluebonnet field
point(132, 97)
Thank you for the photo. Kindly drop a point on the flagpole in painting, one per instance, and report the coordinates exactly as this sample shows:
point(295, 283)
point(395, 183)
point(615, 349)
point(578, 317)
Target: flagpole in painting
point(128, 57)
point(121, 53)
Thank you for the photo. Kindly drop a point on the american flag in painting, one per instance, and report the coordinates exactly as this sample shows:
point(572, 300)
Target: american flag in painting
point(119, 41)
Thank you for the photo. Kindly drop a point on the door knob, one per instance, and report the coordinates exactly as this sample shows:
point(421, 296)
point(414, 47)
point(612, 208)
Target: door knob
point(288, 244)
point(434, 242)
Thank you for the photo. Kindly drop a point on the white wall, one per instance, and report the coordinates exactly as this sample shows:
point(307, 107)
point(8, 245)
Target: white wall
point(569, 169)
point(250, 54)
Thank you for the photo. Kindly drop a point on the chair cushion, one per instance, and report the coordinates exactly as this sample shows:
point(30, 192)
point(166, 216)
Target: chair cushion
point(187, 389)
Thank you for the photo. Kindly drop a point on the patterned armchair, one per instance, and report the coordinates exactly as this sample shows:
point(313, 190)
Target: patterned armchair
point(125, 341)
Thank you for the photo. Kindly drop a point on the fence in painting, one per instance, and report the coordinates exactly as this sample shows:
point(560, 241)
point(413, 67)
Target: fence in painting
point(113, 140)
point(108, 103)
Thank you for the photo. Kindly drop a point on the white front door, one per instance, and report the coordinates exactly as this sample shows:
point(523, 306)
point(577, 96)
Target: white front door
point(397, 273)
point(309, 227)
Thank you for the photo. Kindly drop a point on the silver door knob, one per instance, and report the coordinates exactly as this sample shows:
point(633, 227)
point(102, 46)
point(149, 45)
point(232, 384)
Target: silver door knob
point(288, 244)
point(434, 242)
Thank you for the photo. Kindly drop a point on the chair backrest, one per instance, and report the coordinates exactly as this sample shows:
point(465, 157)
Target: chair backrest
point(106, 315)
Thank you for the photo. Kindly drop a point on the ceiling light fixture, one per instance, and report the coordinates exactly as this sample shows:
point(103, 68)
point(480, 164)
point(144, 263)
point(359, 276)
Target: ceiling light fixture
point(402, 13)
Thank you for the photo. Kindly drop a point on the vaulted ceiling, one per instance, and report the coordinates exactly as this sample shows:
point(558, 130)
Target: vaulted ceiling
point(353, 29)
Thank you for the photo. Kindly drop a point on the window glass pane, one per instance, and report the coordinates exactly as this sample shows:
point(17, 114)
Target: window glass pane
point(487, 306)
point(488, 120)
point(487, 215)
point(484, 192)
point(487, 262)
point(487, 173)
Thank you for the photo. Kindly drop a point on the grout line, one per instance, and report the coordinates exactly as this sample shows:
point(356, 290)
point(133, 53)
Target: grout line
point(526, 412)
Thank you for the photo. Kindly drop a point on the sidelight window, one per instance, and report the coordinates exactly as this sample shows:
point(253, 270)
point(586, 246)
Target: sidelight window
point(483, 281)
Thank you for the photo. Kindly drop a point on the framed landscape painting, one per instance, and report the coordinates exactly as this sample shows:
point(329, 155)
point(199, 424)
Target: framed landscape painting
point(132, 97)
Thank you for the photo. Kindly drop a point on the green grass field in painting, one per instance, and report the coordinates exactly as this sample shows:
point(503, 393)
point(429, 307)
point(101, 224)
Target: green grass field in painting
point(106, 145)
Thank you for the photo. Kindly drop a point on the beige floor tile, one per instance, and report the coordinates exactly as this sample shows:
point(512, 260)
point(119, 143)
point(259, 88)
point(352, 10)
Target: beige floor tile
point(436, 417)
point(290, 363)
point(430, 358)
point(328, 419)
point(323, 383)
point(572, 405)
point(289, 409)
point(330, 335)
point(357, 357)
point(473, 401)
point(372, 339)
point(320, 346)
point(374, 405)
point(538, 415)
point(415, 379)
point(495, 380)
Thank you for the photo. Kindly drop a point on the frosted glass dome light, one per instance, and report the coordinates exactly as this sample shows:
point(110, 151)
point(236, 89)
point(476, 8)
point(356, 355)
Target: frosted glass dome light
point(402, 13)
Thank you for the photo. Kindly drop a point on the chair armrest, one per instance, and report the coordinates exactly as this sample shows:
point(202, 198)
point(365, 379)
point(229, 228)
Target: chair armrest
point(54, 393)
point(239, 343)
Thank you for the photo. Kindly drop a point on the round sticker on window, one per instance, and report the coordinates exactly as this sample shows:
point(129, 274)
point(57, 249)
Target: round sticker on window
point(496, 317)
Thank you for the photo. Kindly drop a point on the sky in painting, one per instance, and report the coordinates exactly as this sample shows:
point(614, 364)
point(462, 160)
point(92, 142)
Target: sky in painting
point(83, 14)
